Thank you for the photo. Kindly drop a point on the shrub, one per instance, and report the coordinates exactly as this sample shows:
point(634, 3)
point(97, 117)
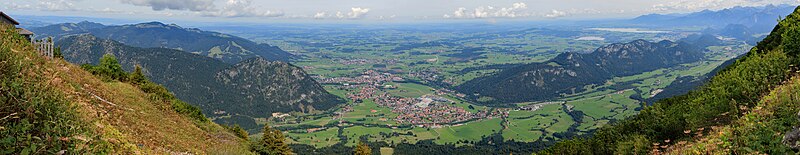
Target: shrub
point(238, 131)
point(109, 69)
point(188, 110)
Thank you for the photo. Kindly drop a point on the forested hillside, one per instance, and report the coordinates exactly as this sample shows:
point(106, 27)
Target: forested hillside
point(282, 85)
point(747, 108)
point(570, 73)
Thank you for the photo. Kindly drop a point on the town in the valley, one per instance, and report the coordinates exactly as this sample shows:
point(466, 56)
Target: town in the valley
point(430, 110)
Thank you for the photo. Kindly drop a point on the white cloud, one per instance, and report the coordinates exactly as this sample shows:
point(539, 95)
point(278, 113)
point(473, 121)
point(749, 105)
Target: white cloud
point(459, 13)
point(56, 5)
point(511, 12)
point(386, 17)
point(15, 6)
point(320, 15)
point(355, 13)
point(520, 5)
point(490, 12)
point(243, 8)
point(53, 5)
point(555, 14)
point(159, 5)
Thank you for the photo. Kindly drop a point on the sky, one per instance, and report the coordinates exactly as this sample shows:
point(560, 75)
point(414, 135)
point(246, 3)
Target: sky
point(267, 11)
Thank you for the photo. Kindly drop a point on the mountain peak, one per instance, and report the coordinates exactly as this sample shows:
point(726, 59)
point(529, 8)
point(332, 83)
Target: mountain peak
point(156, 24)
point(152, 23)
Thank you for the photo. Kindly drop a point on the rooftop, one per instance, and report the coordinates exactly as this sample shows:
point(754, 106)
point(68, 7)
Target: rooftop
point(4, 15)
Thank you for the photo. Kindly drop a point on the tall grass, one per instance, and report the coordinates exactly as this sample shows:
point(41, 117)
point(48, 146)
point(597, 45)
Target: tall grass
point(35, 119)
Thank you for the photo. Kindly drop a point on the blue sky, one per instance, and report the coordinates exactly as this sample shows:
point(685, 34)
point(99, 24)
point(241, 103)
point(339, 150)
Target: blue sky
point(365, 10)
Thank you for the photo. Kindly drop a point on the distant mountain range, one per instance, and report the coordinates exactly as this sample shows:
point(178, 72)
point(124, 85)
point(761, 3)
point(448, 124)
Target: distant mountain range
point(759, 19)
point(255, 87)
point(230, 49)
point(568, 73)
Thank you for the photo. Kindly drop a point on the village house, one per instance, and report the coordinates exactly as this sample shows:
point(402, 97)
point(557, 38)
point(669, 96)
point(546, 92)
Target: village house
point(44, 47)
point(8, 20)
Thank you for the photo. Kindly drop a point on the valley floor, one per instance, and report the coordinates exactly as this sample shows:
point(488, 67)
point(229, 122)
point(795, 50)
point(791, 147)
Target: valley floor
point(384, 110)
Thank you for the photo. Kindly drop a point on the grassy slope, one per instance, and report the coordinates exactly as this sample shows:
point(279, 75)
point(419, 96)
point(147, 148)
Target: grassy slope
point(721, 102)
point(758, 131)
point(129, 120)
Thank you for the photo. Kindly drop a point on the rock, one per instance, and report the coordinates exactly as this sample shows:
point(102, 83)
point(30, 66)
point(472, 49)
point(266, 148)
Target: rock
point(792, 138)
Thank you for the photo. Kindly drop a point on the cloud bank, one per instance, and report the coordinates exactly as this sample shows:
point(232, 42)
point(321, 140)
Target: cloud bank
point(242, 8)
point(354, 13)
point(555, 14)
point(159, 5)
point(490, 12)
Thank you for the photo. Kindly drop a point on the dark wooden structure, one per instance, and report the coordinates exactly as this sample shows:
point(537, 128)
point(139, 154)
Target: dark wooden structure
point(44, 46)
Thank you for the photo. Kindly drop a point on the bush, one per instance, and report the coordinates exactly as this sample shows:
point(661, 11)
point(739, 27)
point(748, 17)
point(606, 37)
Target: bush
point(238, 131)
point(109, 69)
point(158, 92)
point(57, 53)
point(188, 110)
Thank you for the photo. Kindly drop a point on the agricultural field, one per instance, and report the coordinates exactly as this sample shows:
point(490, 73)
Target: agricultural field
point(321, 138)
point(430, 64)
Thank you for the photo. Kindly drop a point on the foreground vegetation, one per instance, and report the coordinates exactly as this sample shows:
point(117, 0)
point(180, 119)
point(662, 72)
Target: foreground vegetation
point(53, 107)
point(35, 119)
point(727, 97)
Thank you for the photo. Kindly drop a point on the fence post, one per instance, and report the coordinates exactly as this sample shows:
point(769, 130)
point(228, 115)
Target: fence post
point(44, 47)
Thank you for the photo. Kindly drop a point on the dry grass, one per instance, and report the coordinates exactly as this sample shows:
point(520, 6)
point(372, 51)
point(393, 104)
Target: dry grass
point(128, 118)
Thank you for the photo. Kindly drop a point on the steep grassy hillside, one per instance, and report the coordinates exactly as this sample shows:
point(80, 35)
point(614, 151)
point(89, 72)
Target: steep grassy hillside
point(760, 130)
point(50, 106)
point(733, 99)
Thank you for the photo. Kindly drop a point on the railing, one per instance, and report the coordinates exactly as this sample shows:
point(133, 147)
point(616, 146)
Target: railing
point(44, 46)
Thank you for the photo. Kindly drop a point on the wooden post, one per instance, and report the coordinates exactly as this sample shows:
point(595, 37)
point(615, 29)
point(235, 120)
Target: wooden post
point(45, 47)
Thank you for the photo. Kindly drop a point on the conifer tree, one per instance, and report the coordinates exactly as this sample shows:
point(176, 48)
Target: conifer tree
point(137, 77)
point(273, 142)
point(363, 149)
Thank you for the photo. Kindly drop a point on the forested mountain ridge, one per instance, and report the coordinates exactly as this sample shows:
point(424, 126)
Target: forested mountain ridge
point(185, 74)
point(746, 108)
point(230, 49)
point(253, 88)
point(60, 30)
point(283, 84)
point(568, 73)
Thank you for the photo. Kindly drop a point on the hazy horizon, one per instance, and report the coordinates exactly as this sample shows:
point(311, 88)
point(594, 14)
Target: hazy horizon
point(360, 12)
